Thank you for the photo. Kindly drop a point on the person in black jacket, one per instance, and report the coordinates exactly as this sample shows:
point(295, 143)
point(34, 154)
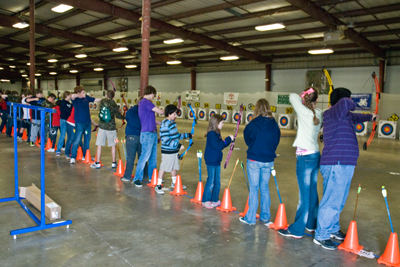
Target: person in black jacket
point(65, 108)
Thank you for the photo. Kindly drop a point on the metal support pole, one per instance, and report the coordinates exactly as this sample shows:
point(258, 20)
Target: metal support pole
point(193, 79)
point(32, 44)
point(144, 69)
point(382, 75)
point(14, 116)
point(42, 170)
point(78, 80)
point(268, 74)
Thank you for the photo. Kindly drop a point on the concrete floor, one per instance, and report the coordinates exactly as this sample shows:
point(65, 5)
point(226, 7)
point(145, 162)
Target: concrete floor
point(117, 224)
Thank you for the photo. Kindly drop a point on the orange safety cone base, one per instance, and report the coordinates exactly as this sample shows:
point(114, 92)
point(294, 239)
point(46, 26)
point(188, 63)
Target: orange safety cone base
point(24, 136)
point(37, 143)
point(120, 169)
point(226, 204)
point(4, 130)
point(391, 255)
point(88, 158)
point(280, 219)
point(79, 155)
point(199, 194)
point(178, 190)
point(49, 144)
point(12, 131)
point(154, 178)
point(246, 209)
point(350, 243)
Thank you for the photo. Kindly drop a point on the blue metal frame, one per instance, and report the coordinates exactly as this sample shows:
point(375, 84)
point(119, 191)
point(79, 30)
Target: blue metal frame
point(42, 221)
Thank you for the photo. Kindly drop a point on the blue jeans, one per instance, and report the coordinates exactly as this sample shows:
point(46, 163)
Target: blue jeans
point(71, 135)
point(84, 129)
point(213, 184)
point(4, 118)
point(148, 140)
point(53, 135)
point(307, 210)
point(63, 131)
point(133, 147)
point(259, 174)
point(337, 180)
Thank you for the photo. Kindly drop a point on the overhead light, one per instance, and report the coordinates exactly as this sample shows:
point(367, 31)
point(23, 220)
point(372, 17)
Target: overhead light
point(73, 71)
point(38, 74)
point(28, 64)
point(173, 41)
point(174, 62)
point(53, 73)
point(130, 66)
point(5, 80)
point(1, 68)
point(320, 51)
point(52, 60)
point(120, 49)
point(21, 25)
point(24, 75)
point(61, 8)
point(270, 27)
point(81, 56)
point(12, 67)
point(98, 69)
point(229, 58)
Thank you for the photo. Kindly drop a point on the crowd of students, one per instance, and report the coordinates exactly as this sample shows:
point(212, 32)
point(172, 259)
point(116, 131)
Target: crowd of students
point(261, 135)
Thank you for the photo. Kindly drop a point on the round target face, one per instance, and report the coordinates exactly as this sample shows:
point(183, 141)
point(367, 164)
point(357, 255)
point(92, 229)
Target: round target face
point(191, 114)
point(236, 117)
point(249, 117)
point(387, 129)
point(179, 112)
point(359, 127)
point(284, 121)
point(212, 113)
point(90, 105)
point(224, 115)
point(95, 105)
point(202, 114)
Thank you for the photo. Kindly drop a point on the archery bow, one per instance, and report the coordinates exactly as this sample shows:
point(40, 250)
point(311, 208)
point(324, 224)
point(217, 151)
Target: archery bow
point(328, 77)
point(234, 138)
point(374, 126)
point(191, 132)
point(125, 110)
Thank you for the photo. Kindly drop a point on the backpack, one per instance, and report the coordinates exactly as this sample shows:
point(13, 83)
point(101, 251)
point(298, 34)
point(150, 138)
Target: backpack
point(105, 114)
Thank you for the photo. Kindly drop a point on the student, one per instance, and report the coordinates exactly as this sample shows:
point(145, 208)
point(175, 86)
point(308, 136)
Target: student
point(213, 157)
point(55, 127)
point(82, 120)
point(71, 131)
point(107, 130)
point(309, 120)
point(26, 116)
point(65, 109)
point(35, 125)
point(170, 147)
point(4, 110)
point(262, 137)
point(148, 134)
point(338, 161)
point(13, 97)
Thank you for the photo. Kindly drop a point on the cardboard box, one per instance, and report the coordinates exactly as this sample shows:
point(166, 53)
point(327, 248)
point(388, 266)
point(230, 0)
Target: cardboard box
point(32, 194)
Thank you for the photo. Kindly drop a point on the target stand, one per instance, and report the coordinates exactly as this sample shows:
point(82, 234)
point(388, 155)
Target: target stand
point(91, 105)
point(212, 112)
point(361, 128)
point(202, 114)
point(190, 113)
point(162, 108)
point(181, 113)
point(226, 115)
point(95, 106)
point(249, 116)
point(285, 121)
point(387, 129)
point(235, 116)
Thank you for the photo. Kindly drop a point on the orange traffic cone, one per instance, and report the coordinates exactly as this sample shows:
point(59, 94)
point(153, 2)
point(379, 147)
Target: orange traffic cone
point(280, 219)
point(154, 178)
point(95, 160)
point(120, 169)
point(37, 143)
point(350, 243)
point(178, 190)
point(199, 194)
point(88, 157)
point(4, 129)
point(12, 131)
point(24, 136)
point(226, 204)
point(79, 155)
point(49, 144)
point(391, 255)
point(246, 209)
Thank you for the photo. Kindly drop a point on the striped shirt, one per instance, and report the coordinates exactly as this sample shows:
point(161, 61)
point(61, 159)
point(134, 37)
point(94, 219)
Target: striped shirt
point(170, 137)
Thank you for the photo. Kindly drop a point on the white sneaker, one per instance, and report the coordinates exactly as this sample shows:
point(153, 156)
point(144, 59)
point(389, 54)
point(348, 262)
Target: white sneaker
point(63, 149)
point(72, 161)
point(67, 157)
point(159, 190)
point(51, 150)
point(95, 166)
point(83, 159)
point(114, 165)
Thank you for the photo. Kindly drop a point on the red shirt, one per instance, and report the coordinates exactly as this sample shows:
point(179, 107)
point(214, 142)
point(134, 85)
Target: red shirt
point(71, 118)
point(3, 104)
point(56, 117)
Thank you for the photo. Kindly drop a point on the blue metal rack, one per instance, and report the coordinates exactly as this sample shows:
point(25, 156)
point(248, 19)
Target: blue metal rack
point(41, 224)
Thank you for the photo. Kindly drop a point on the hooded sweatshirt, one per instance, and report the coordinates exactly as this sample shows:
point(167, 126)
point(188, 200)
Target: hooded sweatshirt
point(262, 136)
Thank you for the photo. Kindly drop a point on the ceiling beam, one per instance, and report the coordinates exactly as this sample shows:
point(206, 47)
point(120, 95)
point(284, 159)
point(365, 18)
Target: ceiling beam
point(109, 9)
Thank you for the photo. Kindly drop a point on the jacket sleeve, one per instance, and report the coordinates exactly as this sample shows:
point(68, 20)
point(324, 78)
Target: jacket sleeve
point(342, 108)
point(358, 117)
point(297, 104)
point(216, 143)
point(247, 134)
point(114, 109)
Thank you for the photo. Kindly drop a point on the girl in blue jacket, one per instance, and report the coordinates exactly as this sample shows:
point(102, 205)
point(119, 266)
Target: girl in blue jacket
point(213, 157)
point(262, 137)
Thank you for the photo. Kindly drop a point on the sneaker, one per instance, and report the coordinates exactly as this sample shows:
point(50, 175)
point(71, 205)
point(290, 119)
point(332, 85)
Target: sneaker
point(173, 186)
point(83, 159)
point(326, 244)
point(72, 161)
point(310, 230)
point(51, 150)
point(216, 204)
point(19, 139)
point(138, 183)
point(124, 179)
point(95, 165)
point(268, 224)
point(159, 190)
point(114, 165)
point(287, 233)
point(32, 143)
point(338, 235)
point(67, 157)
point(207, 205)
point(243, 221)
point(63, 149)
point(58, 154)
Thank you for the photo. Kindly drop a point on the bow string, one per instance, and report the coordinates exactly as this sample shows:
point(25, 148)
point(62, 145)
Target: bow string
point(374, 124)
point(191, 133)
point(228, 157)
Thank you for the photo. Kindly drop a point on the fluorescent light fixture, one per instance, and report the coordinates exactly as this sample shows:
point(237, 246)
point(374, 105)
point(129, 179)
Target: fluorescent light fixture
point(73, 71)
point(173, 41)
point(1, 68)
point(53, 73)
point(24, 75)
point(229, 58)
point(130, 66)
point(38, 74)
point(21, 25)
point(98, 69)
point(81, 56)
point(61, 8)
point(174, 62)
point(28, 63)
point(5, 80)
point(269, 27)
point(120, 49)
point(320, 51)
point(12, 67)
point(52, 60)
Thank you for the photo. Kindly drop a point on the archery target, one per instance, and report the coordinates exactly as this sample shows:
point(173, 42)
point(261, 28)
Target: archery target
point(285, 121)
point(119, 105)
point(361, 128)
point(226, 115)
point(212, 112)
point(91, 105)
point(190, 113)
point(236, 115)
point(94, 106)
point(387, 129)
point(181, 113)
point(202, 114)
point(162, 108)
point(295, 123)
point(249, 116)
point(124, 107)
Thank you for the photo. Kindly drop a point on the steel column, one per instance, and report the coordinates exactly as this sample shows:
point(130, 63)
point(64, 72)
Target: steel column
point(32, 43)
point(268, 76)
point(144, 68)
point(193, 74)
point(382, 70)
